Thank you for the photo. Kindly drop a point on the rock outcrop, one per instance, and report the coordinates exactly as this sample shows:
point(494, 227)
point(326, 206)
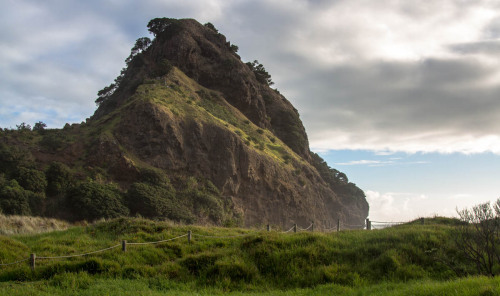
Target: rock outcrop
point(251, 144)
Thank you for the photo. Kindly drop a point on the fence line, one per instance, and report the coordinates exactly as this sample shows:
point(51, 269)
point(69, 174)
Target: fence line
point(189, 235)
point(160, 241)
point(222, 236)
point(12, 263)
point(304, 229)
point(79, 255)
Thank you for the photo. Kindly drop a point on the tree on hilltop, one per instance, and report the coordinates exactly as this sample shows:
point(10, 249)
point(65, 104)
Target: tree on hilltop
point(260, 72)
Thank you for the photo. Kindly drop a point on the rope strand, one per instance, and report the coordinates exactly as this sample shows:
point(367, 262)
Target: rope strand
point(12, 263)
point(157, 242)
point(79, 255)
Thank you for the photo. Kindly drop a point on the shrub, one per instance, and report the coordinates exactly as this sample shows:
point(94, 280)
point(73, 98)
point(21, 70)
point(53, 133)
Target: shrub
point(14, 200)
point(11, 158)
point(155, 201)
point(52, 141)
point(90, 200)
point(59, 178)
point(149, 200)
point(154, 177)
point(205, 199)
point(31, 179)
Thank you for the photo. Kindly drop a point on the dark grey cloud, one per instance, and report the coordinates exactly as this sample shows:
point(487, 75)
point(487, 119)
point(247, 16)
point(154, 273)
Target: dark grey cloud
point(490, 47)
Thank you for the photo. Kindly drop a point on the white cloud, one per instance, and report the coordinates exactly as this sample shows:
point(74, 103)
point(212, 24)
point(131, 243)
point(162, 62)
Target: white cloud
point(408, 206)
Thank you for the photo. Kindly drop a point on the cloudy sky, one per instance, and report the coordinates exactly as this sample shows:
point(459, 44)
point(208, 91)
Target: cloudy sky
point(403, 96)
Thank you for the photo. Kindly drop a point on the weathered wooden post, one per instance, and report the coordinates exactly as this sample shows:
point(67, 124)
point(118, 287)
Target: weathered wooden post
point(368, 224)
point(422, 221)
point(295, 228)
point(338, 225)
point(32, 261)
point(268, 227)
point(312, 226)
point(124, 246)
point(189, 236)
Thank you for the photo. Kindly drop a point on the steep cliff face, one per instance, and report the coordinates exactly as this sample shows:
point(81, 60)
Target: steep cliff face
point(211, 117)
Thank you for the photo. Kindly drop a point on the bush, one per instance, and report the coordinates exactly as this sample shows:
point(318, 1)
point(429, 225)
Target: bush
point(205, 199)
point(31, 179)
point(13, 158)
point(479, 237)
point(59, 178)
point(155, 201)
point(90, 200)
point(52, 141)
point(14, 200)
point(155, 177)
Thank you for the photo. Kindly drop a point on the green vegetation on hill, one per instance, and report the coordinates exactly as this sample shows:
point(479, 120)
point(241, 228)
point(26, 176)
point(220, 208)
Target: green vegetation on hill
point(83, 192)
point(391, 260)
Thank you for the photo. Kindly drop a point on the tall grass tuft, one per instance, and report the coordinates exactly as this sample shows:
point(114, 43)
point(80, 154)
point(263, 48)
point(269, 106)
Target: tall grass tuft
point(29, 225)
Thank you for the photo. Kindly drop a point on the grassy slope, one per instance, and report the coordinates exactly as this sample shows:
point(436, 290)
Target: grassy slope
point(180, 96)
point(396, 261)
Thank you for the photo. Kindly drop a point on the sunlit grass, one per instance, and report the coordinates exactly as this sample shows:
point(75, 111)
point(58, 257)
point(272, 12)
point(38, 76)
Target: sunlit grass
point(393, 260)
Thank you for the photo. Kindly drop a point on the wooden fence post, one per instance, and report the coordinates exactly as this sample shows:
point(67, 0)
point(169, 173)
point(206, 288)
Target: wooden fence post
point(368, 224)
point(189, 236)
point(268, 227)
point(312, 226)
point(338, 225)
point(124, 245)
point(295, 228)
point(32, 261)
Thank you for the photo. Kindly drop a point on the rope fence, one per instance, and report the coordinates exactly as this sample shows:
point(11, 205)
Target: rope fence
point(12, 263)
point(340, 226)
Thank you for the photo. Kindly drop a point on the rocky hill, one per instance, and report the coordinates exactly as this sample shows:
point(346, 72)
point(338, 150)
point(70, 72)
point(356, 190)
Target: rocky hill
point(187, 132)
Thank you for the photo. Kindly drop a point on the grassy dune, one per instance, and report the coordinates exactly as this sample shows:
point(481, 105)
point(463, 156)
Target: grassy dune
point(404, 260)
point(22, 225)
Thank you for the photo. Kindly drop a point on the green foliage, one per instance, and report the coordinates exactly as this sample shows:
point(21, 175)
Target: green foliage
point(164, 68)
point(205, 199)
point(337, 180)
point(14, 200)
point(260, 72)
point(104, 94)
point(211, 27)
point(52, 141)
point(156, 201)
point(234, 48)
point(141, 45)
point(155, 177)
point(12, 158)
point(32, 179)
point(23, 127)
point(212, 104)
point(158, 25)
point(39, 126)
point(71, 281)
point(90, 200)
point(59, 178)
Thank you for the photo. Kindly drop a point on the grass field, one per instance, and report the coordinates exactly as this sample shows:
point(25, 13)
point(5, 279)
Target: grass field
point(409, 259)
